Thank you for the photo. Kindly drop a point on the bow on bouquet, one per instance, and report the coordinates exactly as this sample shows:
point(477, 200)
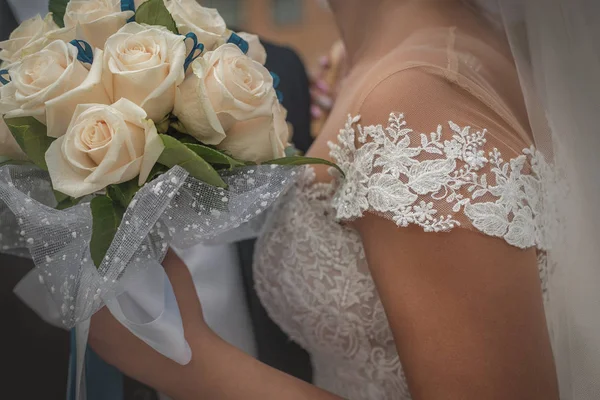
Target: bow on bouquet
point(130, 127)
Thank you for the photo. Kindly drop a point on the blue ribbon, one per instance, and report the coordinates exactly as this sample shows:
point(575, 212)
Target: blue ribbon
point(4, 80)
point(276, 82)
point(239, 42)
point(127, 5)
point(197, 47)
point(85, 54)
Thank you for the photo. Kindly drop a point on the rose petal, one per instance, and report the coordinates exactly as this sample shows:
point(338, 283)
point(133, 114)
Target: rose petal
point(194, 109)
point(149, 81)
point(98, 31)
point(59, 111)
point(138, 85)
point(206, 23)
point(64, 178)
point(260, 139)
point(8, 145)
point(256, 50)
point(153, 150)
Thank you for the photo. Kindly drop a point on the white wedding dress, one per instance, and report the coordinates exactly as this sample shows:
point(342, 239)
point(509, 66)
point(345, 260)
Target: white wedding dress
point(311, 272)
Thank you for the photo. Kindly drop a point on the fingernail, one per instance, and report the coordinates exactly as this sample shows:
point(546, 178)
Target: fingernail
point(325, 102)
point(315, 111)
point(321, 84)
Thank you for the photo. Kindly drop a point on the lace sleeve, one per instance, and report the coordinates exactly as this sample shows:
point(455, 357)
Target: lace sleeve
point(453, 174)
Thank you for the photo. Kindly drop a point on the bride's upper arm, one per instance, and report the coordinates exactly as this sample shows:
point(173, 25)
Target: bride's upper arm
point(447, 213)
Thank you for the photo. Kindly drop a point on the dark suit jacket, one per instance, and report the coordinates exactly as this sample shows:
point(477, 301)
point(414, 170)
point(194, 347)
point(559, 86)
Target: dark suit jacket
point(7, 21)
point(274, 346)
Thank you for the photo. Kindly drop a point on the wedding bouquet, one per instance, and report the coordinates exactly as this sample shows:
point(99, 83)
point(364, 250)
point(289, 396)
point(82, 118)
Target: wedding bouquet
point(129, 127)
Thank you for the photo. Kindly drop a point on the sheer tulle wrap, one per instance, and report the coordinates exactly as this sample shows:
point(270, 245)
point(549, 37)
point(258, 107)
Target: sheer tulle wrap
point(65, 287)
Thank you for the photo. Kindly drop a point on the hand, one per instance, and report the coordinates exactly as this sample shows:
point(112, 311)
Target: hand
point(120, 348)
point(320, 91)
point(325, 85)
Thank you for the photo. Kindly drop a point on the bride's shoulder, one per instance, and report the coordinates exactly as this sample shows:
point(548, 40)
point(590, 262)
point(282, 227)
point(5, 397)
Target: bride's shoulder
point(420, 150)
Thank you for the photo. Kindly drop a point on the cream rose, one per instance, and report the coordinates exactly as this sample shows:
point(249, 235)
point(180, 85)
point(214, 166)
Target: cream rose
point(206, 23)
point(104, 145)
point(8, 145)
point(49, 84)
point(259, 139)
point(32, 36)
point(28, 32)
point(95, 20)
point(229, 101)
point(145, 65)
point(256, 50)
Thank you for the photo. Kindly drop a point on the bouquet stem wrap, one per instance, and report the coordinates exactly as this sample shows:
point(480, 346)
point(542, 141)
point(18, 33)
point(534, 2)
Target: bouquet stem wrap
point(65, 288)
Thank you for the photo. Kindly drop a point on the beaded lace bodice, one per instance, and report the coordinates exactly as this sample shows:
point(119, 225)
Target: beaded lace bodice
point(311, 272)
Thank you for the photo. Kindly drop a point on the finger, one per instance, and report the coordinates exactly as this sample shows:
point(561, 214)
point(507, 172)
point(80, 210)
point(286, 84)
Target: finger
point(316, 112)
point(324, 61)
point(323, 86)
point(324, 102)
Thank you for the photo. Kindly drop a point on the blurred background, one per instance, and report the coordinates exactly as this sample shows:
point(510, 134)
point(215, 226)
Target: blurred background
point(304, 25)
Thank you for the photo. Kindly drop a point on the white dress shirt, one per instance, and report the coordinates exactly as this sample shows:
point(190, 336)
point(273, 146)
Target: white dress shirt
point(217, 276)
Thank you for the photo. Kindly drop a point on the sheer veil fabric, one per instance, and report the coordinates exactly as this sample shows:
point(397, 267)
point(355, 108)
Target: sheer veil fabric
point(555, 47)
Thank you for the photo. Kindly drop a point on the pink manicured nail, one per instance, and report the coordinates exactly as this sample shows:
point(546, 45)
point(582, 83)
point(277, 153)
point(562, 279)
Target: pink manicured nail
point(315, 111)
point(321, 84)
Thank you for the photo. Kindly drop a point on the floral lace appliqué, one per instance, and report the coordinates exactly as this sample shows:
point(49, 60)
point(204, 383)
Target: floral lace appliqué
point(437, 180)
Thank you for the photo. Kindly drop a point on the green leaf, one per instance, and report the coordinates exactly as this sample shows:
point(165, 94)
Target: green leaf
point(67, 203)
point(154, 12)
point(299, 160)
point(60, 196)
point(163, 126)
point(106, 217)
point(176, 153)
point(213, 156)
point(57, 8)
point(183, 137)
point(123, 193)
point(63, 201)
point(157, 170)
point(178, 126)
point(31, 136)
